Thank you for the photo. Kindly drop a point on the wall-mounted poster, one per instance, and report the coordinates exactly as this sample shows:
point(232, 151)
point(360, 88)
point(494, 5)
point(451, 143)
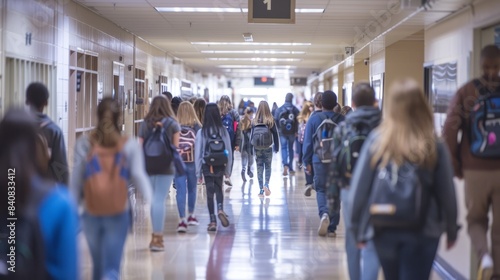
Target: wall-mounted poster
point(443, 88)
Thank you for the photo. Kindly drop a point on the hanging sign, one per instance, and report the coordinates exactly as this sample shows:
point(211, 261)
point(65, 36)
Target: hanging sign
point(271, 11)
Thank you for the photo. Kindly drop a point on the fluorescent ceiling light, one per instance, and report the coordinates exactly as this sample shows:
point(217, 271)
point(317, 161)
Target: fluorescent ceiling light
point(310, 11)
point(224, 10)
point(254, 52)
point(197, 10)
point(258, 66)
point(249, 44)
point(274, 59)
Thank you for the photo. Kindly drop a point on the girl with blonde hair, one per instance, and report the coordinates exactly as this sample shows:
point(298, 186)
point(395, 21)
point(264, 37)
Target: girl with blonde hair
point(404, 150)
point(246, 145)
point(187, 183)
point(230, 120)
point(302, 118)
point(264, 154)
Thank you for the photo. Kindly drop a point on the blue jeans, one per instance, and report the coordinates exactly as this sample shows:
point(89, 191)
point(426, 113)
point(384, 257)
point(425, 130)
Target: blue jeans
point(106, 237)
point(263, 159)
point(405, 254)
point(363, 263)
point(161, 186)
point(287, 150)
point(320, 171)
point(187, 183)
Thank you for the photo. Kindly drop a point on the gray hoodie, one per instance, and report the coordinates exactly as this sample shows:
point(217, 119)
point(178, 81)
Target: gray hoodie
point(200, 150)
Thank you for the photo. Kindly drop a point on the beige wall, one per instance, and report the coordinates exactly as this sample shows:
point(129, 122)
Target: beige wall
point(404, 59)
point(361, 72)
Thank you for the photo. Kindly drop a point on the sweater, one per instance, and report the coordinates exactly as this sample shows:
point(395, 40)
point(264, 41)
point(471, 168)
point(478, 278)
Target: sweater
point(134, 154)
point(458, 119)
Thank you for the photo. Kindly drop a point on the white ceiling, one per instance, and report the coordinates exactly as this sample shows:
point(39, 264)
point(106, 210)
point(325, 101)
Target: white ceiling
point(328, 32)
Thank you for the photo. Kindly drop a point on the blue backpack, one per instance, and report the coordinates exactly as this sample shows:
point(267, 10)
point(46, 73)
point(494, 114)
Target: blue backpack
point(485, 123)
point(228, 123)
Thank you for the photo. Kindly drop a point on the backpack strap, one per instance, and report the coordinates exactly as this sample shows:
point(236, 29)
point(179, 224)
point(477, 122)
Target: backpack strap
point(44, 124)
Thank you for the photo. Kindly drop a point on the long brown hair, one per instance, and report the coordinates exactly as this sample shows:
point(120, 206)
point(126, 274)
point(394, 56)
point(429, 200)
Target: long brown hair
point(160, 108)
point(305, 113)
point(246, 121)
point(199, 107)
point(225, 105)
point(407, 129)
point(264, 115)
point(186, 115)
point(107, 132)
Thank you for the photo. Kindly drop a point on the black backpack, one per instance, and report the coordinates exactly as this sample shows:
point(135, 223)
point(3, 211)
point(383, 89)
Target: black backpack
point(399, 197)
point(347, 153)
point(27, 260)
point(261, 137)
point(323, 143)
point(288, 122)
point(158, 154)
point(216, 153)
point(484, 128)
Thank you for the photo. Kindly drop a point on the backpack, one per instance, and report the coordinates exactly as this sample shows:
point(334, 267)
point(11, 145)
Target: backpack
point(302, 132)
point(186, 143)
point(157, 151)
point(399, 197)
point(261, 137)
point(216, 153)
point(107, 173)
point(29, 250)
point(323, 139)
point(287, 121)
point(43, 152)
point(229, 123)
point(347, 153)
point(484, 128)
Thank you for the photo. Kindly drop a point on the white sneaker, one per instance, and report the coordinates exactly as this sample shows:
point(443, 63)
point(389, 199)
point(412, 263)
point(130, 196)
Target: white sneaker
point(323, 225)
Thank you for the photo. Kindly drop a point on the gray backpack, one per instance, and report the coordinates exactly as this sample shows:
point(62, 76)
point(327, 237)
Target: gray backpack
point(261, 137)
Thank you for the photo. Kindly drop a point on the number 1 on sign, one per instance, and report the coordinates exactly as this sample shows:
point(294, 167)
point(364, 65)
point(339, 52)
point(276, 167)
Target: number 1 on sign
point(268, 2)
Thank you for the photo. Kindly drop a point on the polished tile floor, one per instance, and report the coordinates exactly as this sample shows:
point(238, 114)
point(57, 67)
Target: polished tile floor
point(269, 238)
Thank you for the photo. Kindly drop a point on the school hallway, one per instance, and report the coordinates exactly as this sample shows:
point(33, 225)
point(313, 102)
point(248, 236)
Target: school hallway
point(269, 238)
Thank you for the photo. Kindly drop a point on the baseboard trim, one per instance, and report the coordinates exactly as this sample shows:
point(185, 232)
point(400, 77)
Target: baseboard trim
point(445, 270)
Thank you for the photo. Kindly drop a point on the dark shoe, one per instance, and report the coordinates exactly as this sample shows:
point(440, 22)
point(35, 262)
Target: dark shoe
point(243, 176)
point(292, 172)
point(228, 182)
point(308, 190)
point(331, 234)
point(223, 218)
point(212, 227)
point(250, 173)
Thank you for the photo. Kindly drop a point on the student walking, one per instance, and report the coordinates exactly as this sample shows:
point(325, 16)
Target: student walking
point(264, 139)
point(247, 151)
point(230, 120)
point(160, 126)
point(190, 126)
point(47, 220)
point(104, 163)
point(286, 118)
point(401, 160)
point(302, 118)
point(37, 96)
point(199, 108)
point(318, 154)
point(318, 108)
point(213, 160)
point(476, 158)
point(349, 137)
